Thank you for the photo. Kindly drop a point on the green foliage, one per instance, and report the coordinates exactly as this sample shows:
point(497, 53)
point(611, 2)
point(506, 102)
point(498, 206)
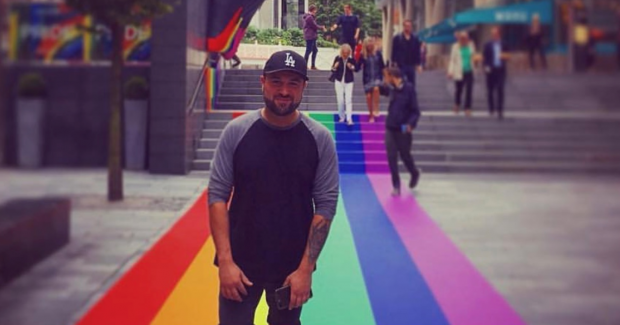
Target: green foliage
point(136, 88)
point(269, 36)
point(31, 85)
point(297, 37)
point(328, 12)
point(324, 43)
point(124, 12)
point(250, 35)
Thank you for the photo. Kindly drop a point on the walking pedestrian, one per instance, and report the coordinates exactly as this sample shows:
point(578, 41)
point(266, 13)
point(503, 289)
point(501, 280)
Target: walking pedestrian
point(461, 70)
point(402, 119)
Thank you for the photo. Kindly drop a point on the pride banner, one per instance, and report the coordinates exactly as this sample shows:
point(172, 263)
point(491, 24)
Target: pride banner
point(55, 33)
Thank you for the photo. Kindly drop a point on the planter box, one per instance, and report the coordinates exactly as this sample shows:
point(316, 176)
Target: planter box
point(30, 120)
point(30, 231)
point(135, 132)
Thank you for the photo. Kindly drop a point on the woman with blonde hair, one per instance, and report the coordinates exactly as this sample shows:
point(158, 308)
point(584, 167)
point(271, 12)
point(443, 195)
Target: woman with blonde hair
point(342, 73)
point(461, 70)
point(371, 62)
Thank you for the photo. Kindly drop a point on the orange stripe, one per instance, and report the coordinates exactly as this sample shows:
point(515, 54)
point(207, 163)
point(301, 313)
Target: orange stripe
point(194, 301)
point(137, 297)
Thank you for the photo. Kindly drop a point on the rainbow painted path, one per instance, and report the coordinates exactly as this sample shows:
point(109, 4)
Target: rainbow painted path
point(386, 263)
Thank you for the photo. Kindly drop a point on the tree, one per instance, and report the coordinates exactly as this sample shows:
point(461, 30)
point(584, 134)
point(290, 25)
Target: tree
point(370, 16)
point(2, 86)
point(117, 15)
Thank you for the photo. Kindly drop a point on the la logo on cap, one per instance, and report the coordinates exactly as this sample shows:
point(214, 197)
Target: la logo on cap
point(289, 62)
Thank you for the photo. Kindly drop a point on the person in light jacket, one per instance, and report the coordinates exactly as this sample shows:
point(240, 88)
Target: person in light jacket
point(342, 69)
point(461, 70)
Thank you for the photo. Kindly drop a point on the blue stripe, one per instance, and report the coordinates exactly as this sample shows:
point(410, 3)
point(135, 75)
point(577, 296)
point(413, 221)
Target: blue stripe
point(397, 291)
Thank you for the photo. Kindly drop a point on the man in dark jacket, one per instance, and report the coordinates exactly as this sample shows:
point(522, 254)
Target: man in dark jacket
point(495, 57)
point(406, 52)
point(350, 25)
point(310, 34)
point(402, 118)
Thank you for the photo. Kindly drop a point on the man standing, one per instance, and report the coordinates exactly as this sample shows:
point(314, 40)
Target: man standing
point(350, 25)
point(283, 168)
point(406, 52)
point(402, 119)
point(495, 57)
point(310, 34)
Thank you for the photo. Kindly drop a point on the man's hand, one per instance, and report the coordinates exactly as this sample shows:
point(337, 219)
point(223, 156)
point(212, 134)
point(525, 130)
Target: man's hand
point(233, 281)
point(419, 69)
point(409, 128)
point(300, 282)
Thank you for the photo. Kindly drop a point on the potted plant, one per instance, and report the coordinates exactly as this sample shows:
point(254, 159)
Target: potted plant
point(31, 100)
point(136, 95)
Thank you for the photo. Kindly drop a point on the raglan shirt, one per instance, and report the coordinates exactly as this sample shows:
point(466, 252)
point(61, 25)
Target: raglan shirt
point(281, 177)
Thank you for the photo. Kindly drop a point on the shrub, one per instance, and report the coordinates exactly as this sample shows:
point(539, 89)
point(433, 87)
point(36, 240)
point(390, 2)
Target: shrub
point(31, 85)
point(136, 88)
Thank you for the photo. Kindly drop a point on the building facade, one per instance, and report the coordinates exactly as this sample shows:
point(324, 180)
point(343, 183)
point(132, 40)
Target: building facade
point(281, 14)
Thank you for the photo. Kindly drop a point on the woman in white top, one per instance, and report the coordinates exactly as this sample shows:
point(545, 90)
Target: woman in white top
point(461, 69)
point(342, 69)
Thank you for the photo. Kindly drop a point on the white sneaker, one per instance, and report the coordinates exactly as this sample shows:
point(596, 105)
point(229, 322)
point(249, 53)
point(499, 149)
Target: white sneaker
point(349, 122)
point(341, 120)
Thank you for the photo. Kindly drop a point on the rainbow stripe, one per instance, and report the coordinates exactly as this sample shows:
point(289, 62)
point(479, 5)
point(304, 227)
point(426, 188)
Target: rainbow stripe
point(385, 263)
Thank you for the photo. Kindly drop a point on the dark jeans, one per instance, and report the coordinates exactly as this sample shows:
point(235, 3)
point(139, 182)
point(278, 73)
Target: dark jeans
point(409, 73)
point(242, 313)
point(468, 83)
point(541, 53)
point(397, 142)
point(311, 48)
point(496, 80)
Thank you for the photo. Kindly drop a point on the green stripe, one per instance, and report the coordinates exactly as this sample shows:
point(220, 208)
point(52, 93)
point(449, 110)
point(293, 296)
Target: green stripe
point(323, 117)
point(340, 296)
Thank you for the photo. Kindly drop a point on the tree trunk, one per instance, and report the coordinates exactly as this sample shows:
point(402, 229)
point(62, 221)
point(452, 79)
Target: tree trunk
point(2, 91)
point(115, 171)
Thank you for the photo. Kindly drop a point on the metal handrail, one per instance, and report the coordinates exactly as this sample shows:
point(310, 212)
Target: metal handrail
point(192, 101)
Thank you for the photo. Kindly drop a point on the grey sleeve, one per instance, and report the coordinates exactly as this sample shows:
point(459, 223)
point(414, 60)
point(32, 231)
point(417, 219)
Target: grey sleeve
point(222, 178)
point(327, 179)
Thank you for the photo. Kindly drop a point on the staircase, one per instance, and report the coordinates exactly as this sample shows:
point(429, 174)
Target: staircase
point(447, 143)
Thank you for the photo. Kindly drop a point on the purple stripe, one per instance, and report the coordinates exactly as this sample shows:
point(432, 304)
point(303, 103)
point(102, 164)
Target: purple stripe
point(465, 297)
point(373, 134)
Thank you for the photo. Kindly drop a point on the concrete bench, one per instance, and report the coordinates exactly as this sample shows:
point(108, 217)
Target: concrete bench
point(30, 231)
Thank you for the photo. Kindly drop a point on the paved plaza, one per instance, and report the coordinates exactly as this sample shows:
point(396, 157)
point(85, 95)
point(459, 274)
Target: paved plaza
point(549, 244)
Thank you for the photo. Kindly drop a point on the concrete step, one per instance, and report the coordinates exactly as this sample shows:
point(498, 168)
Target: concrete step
point(471, 135)
point(468, 167)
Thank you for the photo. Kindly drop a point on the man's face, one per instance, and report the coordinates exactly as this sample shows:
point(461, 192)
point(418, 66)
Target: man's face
point(495, 34)
point(347, 10)
point(407, 27)
point(282, 92)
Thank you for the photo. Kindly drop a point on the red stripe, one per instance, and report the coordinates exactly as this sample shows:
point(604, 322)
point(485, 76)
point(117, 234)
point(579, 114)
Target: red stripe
point(237, 114)
point(137, 297)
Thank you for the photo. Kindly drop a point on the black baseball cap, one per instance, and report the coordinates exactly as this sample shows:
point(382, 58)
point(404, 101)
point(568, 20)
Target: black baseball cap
point(287, 61)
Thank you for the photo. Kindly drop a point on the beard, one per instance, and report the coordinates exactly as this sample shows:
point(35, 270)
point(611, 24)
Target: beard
point(282, 109)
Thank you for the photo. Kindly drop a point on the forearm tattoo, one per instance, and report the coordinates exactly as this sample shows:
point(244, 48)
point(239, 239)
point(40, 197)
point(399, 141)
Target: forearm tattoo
point(318, 236)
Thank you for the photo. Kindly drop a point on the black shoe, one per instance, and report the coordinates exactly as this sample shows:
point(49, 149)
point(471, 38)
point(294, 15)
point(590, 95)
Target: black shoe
point(415, 178)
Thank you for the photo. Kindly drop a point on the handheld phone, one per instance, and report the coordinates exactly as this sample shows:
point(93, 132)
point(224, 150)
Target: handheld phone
point(403, 128)
point(283, 297)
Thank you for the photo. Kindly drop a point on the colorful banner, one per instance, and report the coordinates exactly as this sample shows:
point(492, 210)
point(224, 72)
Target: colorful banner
point(55, 33)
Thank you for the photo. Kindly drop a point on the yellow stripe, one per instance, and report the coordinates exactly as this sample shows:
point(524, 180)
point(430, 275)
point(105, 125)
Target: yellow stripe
point(260, 318)
point(13, 31)
point(195, 298)
point(87, 39)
